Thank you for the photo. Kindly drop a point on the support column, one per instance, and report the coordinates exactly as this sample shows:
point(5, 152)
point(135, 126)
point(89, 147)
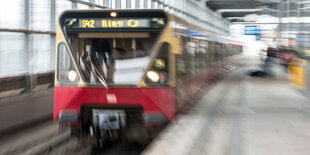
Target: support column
point(74, 4)
point(93, 4)
point(53, 36)
point(280, 25)
point(30, 77)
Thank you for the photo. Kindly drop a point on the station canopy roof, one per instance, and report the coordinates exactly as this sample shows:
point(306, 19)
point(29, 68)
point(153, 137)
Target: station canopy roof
point(236, 10)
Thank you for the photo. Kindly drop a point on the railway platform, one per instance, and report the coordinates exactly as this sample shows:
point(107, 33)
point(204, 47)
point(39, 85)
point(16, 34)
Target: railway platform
point(242, 115)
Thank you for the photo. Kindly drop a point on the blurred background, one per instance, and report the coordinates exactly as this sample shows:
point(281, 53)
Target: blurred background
point(27, 27)
point(28, 31)
point(27, 57)
point(275, 23)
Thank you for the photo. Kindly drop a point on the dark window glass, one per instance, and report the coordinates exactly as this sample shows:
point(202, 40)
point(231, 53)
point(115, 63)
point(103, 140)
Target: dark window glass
point(66, 69)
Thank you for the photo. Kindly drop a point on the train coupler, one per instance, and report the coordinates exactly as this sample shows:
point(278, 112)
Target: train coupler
point(107, 124)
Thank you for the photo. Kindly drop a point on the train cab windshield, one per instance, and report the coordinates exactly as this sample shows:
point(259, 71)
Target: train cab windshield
point(113, 51)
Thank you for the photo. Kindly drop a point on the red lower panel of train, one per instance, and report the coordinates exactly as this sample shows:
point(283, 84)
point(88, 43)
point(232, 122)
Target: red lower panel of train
point(152, 100)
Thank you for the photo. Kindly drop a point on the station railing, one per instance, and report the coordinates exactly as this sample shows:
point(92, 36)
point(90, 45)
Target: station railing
point(22, 84)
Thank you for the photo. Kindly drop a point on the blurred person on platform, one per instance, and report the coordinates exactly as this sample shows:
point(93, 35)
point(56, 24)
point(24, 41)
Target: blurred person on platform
point(105, 57)
point(286, 56)
point(270, 61)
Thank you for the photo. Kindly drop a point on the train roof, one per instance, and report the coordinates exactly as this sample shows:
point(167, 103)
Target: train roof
point(181, 26)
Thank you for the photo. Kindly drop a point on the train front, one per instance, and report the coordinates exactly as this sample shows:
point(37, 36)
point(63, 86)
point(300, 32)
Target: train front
point(113, 75)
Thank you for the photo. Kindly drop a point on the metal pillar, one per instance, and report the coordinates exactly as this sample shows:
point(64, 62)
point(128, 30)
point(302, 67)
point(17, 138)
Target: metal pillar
point(280, 25)
point(93, 4)
point(74, 4)
point(53, 28)
point(30, 78)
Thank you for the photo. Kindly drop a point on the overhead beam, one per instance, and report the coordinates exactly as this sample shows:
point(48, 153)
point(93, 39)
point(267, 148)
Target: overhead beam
point(239, 10)
point(236, 1)
point(27, 31)
point(269, 1)
point(230, 18)
point(239, 4)
point(237, 14)
point(247, 10)
point(245, 4)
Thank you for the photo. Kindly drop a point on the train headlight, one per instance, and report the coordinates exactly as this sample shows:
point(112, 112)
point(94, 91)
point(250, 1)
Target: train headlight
point(152, 75)
point(113, 14)
point(72, 75)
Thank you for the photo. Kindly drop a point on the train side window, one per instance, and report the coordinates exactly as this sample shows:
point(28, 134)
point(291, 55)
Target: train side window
point(211, 53)
point(180, 68)
point(218, 52)
point(206, 55)
point(197, 59)
point(190, 57)
point(66, 69)
point(201, 56)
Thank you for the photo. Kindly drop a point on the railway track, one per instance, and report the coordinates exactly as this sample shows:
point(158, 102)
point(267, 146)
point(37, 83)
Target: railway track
point(65, 144)
point(49, 144)
point(72, 146)
point(120, 148)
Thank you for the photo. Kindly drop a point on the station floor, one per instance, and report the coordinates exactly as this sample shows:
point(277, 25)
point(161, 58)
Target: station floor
point(241, 115)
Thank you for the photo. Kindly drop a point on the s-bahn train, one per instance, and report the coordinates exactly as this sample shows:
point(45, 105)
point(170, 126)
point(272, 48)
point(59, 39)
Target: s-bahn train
point(127, 73)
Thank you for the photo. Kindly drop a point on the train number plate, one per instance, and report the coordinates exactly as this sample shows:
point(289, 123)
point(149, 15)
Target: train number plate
point(109, 120)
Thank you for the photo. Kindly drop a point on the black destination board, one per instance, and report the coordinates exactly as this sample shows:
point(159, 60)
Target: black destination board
point(111, 23)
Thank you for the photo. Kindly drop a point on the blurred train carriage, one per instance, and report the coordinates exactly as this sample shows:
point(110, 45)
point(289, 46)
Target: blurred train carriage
point(123, 72)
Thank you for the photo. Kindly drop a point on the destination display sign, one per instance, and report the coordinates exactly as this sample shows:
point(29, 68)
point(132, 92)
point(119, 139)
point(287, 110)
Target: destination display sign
point(111, 23)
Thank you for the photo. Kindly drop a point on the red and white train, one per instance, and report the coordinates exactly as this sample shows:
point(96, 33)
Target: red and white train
point(130, 72)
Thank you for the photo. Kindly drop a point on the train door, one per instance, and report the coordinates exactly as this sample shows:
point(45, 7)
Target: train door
point(191, 67)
